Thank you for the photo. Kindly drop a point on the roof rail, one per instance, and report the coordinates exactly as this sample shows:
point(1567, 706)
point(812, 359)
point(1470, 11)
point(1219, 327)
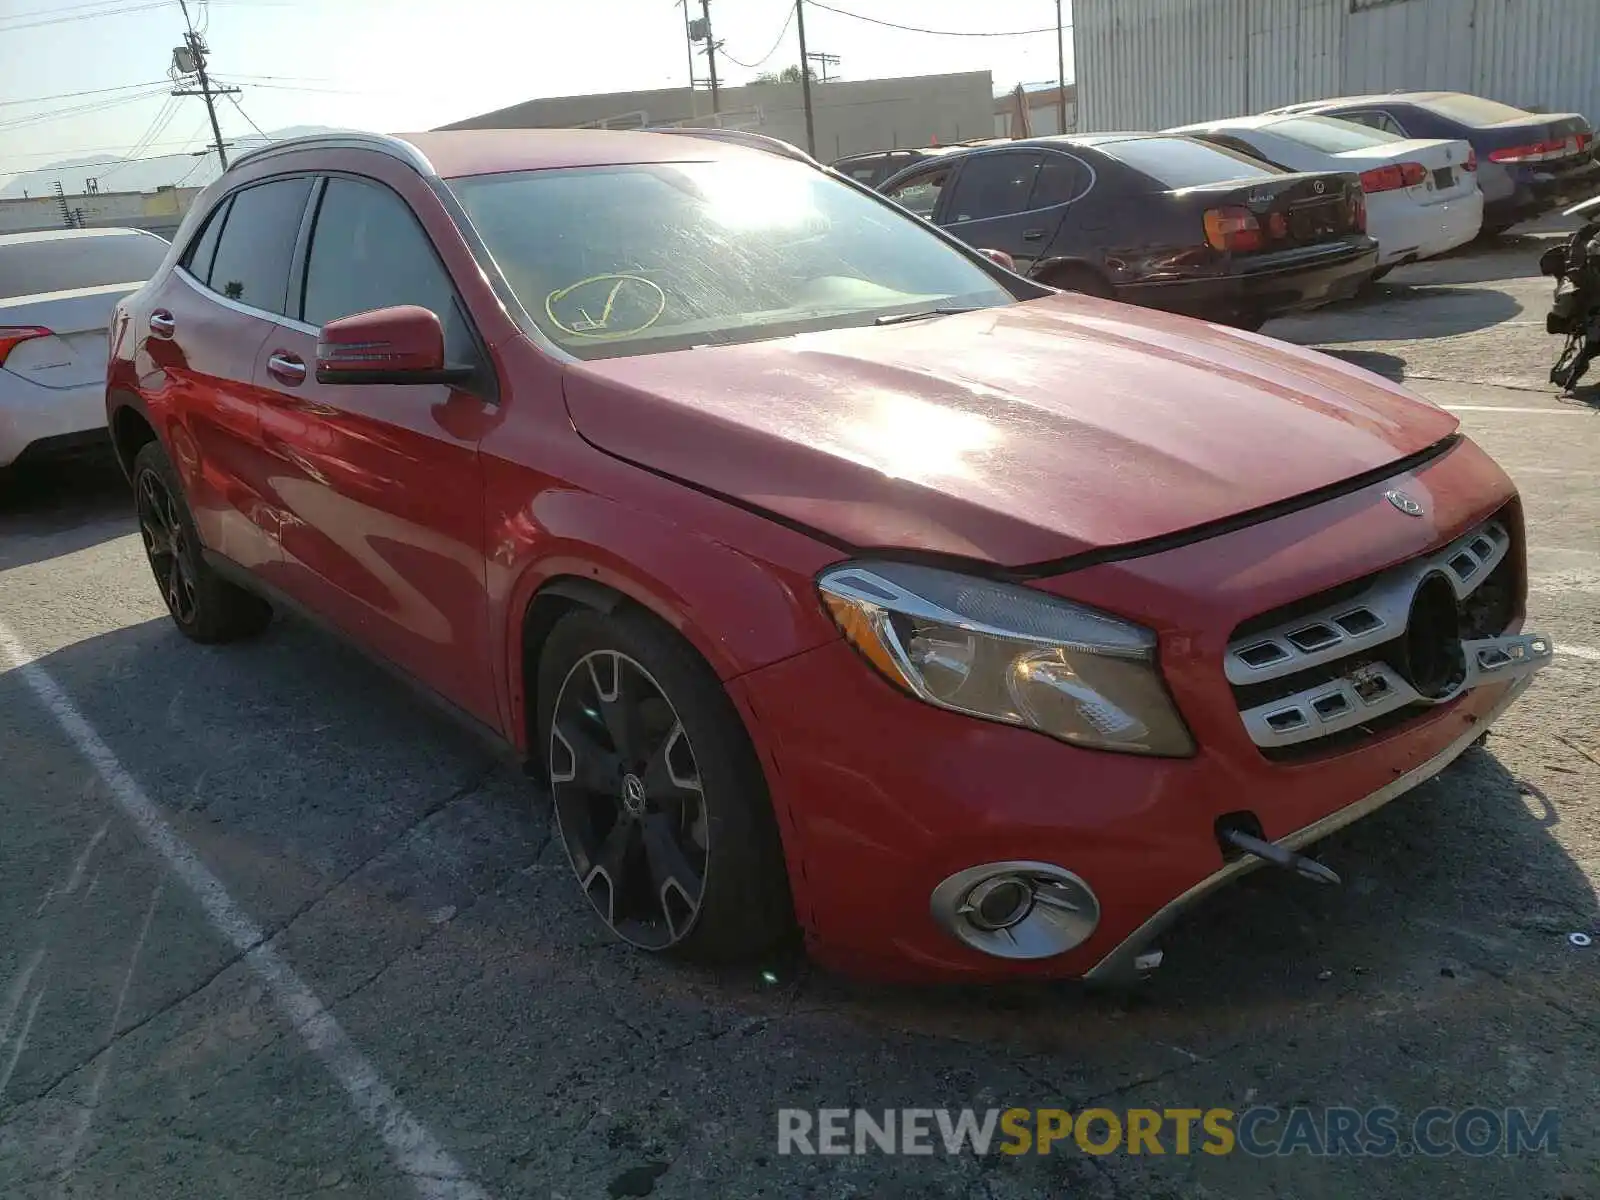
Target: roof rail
point(739, 137)
point(383, 143)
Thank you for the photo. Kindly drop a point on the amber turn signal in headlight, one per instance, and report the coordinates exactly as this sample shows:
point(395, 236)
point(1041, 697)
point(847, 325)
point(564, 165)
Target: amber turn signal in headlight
point(1008, 653)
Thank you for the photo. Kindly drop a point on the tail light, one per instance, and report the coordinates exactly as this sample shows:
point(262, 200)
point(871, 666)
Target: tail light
point(1393, 178)
point(1472, 160)
point(1357, 203)
point(1233, 229)
point(1541, 151)
point(12, 336)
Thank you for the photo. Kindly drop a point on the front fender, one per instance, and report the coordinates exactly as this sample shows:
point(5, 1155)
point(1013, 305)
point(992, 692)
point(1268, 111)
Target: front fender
point(737, 587)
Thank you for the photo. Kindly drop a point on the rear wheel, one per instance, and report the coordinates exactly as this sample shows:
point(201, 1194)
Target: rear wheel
point(1082, 280)
point(204, 606)
point(1490, 232)
point(658, 795)
point(1249, 322)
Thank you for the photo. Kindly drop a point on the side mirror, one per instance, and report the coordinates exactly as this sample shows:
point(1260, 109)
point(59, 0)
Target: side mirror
point(403, 344)
point(1000, 259)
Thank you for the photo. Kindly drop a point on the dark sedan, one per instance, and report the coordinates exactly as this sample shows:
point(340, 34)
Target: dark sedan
point(1168, 222)
point(1528, 163)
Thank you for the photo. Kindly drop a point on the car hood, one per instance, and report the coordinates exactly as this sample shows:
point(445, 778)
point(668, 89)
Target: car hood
point(1014, 435)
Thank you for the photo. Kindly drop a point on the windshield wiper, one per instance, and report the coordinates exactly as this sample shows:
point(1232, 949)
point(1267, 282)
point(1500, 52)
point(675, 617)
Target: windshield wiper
point(924, 314)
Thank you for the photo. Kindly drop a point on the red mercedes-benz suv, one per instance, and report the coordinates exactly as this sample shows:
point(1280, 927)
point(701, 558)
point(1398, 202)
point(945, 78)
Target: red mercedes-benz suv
point(829, 572)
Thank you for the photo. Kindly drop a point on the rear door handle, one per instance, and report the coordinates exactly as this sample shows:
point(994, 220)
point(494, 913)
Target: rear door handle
point(1033, 235)
point(286, 368)
point(162, 323)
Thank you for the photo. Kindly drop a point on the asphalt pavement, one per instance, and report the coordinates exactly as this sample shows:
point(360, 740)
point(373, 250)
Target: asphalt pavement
point(270, 927)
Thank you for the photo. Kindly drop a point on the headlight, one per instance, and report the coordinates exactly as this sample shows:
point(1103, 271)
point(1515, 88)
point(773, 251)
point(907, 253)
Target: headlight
point(1009, 654)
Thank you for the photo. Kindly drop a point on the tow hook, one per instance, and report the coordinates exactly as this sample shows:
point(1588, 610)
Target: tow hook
point(1278, 856)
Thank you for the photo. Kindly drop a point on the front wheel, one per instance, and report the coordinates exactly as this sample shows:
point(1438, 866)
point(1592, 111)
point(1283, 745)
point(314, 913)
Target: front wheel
point(658, 795)
point(204, 606)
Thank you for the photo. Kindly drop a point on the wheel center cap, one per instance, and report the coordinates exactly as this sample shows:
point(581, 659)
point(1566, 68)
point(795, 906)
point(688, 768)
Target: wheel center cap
point(633, 795)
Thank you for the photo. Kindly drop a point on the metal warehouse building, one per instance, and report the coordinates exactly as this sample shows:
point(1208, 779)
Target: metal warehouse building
point(1149, 64)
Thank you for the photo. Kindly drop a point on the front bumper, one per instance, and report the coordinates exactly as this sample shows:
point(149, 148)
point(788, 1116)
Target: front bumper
point(881, 798)
point(1260, 290)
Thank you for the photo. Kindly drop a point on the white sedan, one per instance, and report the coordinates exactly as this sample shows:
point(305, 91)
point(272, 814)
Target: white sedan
point(57, 291)
point(1422, 195)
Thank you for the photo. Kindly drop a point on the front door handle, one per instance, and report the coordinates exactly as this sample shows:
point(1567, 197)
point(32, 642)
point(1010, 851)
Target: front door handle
point(1033, 235)
point(162, 323)
point(287, 368)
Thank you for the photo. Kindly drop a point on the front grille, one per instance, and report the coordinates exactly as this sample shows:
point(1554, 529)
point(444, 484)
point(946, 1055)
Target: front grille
point(1338, 667)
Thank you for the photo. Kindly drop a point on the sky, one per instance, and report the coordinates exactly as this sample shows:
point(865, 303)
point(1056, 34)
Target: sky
point(398, 65)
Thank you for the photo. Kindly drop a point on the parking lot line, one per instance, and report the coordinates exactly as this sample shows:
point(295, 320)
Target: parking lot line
point(1585, 652)
point(433, 1172)
point(1569, 410)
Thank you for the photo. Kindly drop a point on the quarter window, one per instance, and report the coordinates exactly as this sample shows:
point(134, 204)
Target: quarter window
point(367, 252)
point(257, 242)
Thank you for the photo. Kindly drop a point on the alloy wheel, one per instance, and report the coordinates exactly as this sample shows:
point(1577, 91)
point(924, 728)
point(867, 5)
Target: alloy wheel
point(166, 545)
point(628, 799)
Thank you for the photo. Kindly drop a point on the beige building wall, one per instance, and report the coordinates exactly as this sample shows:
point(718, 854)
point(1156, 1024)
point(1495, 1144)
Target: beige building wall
point(851, 117)
point(159, 211)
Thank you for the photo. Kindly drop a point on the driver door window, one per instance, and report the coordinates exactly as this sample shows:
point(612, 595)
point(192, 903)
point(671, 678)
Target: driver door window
point(367, 252)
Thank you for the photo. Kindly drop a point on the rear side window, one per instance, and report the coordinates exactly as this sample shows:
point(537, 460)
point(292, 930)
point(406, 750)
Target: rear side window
point(921, 195)
point(369, 251)
point(1061, 179)
point(1380, 121)
point(257, 242)
point(197, 260)
point(63, 264)
point(1176, 162)
point(994, 185)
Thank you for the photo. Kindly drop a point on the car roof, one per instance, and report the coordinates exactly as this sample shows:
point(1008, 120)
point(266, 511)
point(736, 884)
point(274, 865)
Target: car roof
point(1256, 122)
point(62, 235)
point(458, 152)
point(1341, 101)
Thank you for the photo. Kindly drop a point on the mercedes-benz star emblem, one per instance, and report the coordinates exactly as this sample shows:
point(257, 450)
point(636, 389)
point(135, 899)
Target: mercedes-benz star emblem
point(1319, 187)
point(633, 795)
point(1410, 505)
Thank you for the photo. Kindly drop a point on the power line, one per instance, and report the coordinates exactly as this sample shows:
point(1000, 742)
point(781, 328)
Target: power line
point(90, 92)
point(169, 110)
point(765, 58)
point(62, 8)
point(246, 116)
point(77, 110)
point(935, 32)
point(89, 16)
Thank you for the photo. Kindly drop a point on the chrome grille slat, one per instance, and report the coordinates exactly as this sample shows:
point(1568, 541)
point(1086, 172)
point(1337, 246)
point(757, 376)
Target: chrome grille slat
point(1382, 607)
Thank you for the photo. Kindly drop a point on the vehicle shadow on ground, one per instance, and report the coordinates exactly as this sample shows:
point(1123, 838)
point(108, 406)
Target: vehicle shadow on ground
point(1391, 366)
point(1402, 312)
point(55, 509)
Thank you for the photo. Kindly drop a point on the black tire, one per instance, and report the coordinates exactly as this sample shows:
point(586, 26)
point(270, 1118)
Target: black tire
point(706, 791)
point(205, 607)
point(1082, 280)
point(1249, 322)
point(1489, 232)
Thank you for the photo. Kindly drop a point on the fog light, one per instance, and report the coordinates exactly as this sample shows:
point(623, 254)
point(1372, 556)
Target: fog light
point(998, 902)
point(1017, 909)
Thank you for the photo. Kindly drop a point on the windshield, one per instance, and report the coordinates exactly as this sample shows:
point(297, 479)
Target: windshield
point(1330, 135)
point(64, 264)
point(1475, 110)
point(1180, 162)
point(635, 259)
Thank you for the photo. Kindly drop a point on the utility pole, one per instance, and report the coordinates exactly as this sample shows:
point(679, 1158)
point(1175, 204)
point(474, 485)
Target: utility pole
point(1061, 73)
point(805, 77)
point(194, 47)
point(711, 53)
